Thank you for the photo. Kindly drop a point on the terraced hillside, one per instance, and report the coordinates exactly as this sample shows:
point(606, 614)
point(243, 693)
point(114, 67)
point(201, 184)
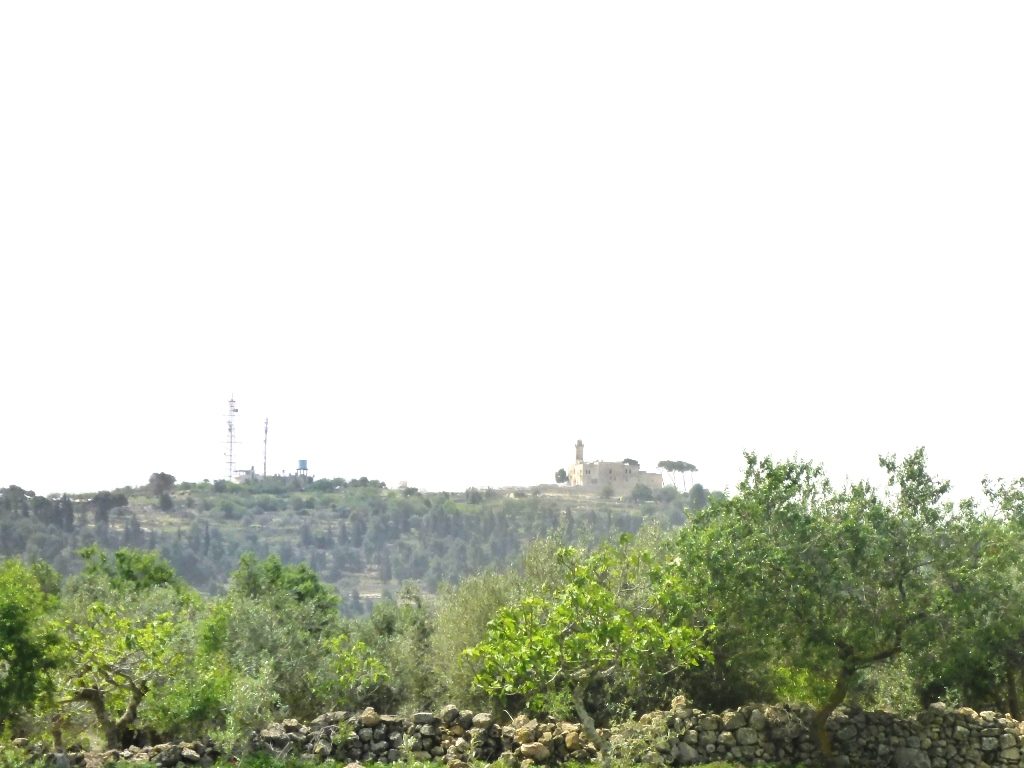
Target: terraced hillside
point(358, 535)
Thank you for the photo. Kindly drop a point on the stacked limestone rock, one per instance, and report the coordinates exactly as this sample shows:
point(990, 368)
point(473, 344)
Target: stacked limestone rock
point(191, 753)
point(529, 741)
point(453, 735)
point(937, 738)
point(688, 736)
point(963, 737)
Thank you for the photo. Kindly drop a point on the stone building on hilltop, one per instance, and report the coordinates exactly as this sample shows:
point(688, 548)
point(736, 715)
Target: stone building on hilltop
point(620, 475)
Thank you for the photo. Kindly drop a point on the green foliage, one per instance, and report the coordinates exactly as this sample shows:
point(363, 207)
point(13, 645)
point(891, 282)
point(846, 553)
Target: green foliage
point(351, 533)
point(830, 583)
point(698, 497)
point(15, 757)
point(15, 500)
point(161, 483)
point(265, 760)
point(676, 466)
point(47, 577)
point(672, 467)
point(104, 501)
point(641, 492)
point(609, 626)
point(192, 702)
point(357, 673)
point(130, 570)
point(890, 687)
point(28, 639)
point(270, 578)
point(461, 617)
point(273, 646)
point(252, 699)
point(788, 589)
point(981, 619)
point(119, 617)
point(398, 633)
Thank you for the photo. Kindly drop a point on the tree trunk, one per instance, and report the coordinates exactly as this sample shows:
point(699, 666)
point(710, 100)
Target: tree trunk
point(131, 712)
point(820, 720)
point(95, 699)
point(588, 723)
point(114, 731)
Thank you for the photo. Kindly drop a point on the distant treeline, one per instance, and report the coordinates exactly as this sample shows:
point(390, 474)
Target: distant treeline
point(355, 534)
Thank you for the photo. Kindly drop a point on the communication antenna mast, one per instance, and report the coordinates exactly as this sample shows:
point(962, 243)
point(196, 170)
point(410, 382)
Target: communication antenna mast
point(266, 428)
point(232, 410)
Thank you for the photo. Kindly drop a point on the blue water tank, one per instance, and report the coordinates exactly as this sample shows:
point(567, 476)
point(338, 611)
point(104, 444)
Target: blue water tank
point(302, 465)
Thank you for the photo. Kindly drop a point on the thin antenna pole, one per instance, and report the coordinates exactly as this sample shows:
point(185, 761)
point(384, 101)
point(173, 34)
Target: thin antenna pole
point(266, 428)
point(232, 410)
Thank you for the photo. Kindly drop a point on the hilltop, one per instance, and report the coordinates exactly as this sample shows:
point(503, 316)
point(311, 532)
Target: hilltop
point(358, 535)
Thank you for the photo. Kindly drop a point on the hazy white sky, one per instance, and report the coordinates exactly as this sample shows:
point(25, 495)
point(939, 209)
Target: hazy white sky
point(439, 242)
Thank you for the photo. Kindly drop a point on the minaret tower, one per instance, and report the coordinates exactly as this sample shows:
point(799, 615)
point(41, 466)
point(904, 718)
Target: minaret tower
point(579, 451)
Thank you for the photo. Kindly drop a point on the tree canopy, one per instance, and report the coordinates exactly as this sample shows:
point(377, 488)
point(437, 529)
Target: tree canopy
point(608, 624)
point(28, 638)
point(676, 466)
point(840, 580)
point(161, 483)
point(681, 467)
point(119, 616)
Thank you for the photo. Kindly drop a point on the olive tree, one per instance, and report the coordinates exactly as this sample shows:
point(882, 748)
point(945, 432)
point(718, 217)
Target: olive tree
point(979, 661)
point(273, 646)
point(838, 581)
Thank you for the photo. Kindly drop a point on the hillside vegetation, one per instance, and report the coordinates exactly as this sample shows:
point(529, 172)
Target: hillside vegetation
point(357, 535)
point(789, 589)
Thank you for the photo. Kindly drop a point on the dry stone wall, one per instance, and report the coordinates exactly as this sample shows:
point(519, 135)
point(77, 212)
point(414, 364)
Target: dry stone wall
point(682, 735)
point(753, 735)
